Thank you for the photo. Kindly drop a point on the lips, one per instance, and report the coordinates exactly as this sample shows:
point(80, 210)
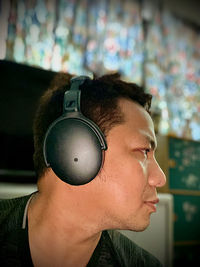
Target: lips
point(152, 204)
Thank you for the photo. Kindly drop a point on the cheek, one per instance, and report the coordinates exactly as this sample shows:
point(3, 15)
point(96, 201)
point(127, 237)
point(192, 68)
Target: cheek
point(138, 177)
point(143, 169)
point(127, 176)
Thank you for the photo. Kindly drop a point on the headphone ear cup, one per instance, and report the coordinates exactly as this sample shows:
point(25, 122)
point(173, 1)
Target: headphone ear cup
point(73, 150)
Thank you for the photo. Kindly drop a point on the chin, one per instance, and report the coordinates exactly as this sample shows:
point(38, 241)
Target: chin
point(141, 224)
point(140, 228)
point(137, 226)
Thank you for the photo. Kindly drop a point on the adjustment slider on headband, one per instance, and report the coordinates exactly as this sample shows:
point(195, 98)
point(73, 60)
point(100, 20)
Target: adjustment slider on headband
point(73, 96)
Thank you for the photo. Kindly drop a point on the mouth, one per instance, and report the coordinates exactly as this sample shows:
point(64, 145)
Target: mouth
point(152, 204)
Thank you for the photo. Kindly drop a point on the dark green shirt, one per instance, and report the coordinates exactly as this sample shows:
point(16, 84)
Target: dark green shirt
point(113, 249)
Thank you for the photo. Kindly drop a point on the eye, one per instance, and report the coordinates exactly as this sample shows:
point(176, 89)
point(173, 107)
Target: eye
point(146, 151)
point(141, 153)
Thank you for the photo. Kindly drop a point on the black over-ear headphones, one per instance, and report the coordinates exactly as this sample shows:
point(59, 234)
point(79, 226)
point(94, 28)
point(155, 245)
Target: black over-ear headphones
point(74, 145)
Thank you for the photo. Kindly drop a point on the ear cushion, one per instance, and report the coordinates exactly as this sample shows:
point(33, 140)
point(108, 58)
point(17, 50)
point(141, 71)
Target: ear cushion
point(72, 148)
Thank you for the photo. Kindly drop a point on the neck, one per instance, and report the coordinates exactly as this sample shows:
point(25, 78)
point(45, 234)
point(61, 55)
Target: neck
point(66, 221)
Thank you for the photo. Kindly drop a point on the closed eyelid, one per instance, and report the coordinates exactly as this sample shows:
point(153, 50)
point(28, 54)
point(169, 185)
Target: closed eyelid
point(142, 150)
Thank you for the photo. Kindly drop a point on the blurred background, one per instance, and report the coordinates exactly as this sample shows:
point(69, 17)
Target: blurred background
point(155, 43)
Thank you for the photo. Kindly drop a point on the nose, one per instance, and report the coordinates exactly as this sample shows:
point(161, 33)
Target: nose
point(157, 177)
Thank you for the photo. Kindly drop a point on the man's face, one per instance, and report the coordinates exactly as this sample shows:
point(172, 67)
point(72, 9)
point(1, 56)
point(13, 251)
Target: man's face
point(130, 173)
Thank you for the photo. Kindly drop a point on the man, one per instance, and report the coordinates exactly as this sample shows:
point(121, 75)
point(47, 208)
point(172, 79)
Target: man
point(66, 225)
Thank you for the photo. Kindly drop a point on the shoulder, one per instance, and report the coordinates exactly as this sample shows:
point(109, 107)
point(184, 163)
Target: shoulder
point(129, 253)
point(11, 236)
point(11, 211)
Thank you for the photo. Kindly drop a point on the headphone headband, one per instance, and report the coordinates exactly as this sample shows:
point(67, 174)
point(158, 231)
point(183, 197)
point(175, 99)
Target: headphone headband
point(72, 97)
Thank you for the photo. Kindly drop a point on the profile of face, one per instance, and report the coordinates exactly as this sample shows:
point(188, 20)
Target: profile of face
point(130, 174)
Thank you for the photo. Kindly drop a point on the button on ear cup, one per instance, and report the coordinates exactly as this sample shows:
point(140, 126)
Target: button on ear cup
point(73, 151)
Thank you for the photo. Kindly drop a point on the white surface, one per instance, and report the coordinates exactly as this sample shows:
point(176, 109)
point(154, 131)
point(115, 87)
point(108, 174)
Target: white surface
point(158, 237)
point(12, 190)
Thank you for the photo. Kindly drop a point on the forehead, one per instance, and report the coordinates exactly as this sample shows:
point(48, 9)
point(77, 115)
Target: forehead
point(137, 121)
